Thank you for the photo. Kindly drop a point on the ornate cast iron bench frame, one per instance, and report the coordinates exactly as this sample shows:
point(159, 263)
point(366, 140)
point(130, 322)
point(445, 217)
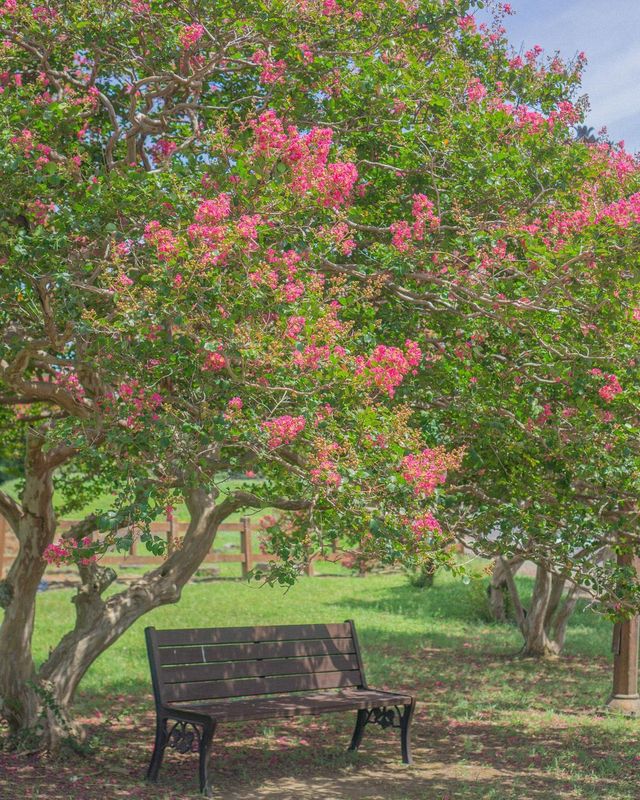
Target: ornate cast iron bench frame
point(204, 676)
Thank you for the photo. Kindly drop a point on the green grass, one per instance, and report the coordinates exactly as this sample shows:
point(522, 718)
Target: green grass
point(488, 725)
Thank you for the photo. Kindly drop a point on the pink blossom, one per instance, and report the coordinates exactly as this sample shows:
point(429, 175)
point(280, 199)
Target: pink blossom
point(387, 367)
point(163, 149)
point(476, 91)
point(424, 524)
point(191, 35)
point(269, 133)
point(307, 53)
point(293, 289)
point(400, 235)
point(467, 23)
point(124, 280)
point(326, 473)
point(272, 71)
point(426, 470)
point(294, 326)
point(44, 14)
point(330, 7)
point(248, 225)
point(215, 361)
point(214, 210)
point(164, 240)
point(340, 233)
point(413, 353)
point(312, 356)
point(8, 7)
point(283, 430)
point(611, 389)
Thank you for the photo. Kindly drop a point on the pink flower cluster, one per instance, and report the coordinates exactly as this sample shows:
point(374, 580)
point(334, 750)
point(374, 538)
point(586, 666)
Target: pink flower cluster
point(307, 53)
point(234, 407)
point(283, 430)
point(247, 227)
point(611, 388)
point(162, 149)
point(428, 470)
point(63, 552)
point(340, 235)
point(327, 474)
point(164, 240)
point(313, 356)
point(139, 402)
point(27, 144)
point(215, 210)
point(476, 91)
point(325, 469)
point(8, 7)
point(215, 361)
point(423, 211)
point(191, 35)
point(387, 367)
point(70, 382)
point(294, 326)
point(307, 155)
point(425, 524)
point(622, 212)
point(272, 71)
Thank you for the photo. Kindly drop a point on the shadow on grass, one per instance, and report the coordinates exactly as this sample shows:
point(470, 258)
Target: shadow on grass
point(306, 758)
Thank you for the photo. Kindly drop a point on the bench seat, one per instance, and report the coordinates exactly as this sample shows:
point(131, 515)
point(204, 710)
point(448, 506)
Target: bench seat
point(291, 705)
point(206, 676)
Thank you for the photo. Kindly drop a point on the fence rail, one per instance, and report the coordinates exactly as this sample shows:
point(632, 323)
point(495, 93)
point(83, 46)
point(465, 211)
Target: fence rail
point(245, 556)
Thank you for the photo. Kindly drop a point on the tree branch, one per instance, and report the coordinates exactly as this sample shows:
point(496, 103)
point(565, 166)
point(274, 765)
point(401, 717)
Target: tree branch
point(10, 509)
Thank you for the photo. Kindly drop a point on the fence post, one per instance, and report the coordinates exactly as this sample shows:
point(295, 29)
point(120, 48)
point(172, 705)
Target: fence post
point(308, 567)
point(3, 538)
point(170, 535)
point(246, 546)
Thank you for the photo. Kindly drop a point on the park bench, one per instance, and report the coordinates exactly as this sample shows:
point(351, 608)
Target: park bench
point(205, 676)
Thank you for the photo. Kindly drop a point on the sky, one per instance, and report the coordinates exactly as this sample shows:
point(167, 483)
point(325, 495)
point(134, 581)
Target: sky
point(608, 31)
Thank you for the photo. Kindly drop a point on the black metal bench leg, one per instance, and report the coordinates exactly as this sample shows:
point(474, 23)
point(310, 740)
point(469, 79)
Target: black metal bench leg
point(405, 732)
point(158, 749)
point(358, 731)
point(205, 752)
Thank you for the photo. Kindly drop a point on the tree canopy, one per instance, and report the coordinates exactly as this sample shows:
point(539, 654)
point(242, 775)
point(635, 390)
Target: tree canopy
point(348, 246)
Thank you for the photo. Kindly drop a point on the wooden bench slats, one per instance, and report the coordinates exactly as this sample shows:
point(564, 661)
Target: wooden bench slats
point(262, 633)
point(207, 654)
point(258, 669)
point(205, 690)
point(348, 699)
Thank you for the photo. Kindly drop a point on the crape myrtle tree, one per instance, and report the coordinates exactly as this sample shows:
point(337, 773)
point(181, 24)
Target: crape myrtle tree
point(177, 182)
point(329, 242)
point(514, 249)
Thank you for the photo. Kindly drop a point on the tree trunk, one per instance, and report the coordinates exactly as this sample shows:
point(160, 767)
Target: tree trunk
point(100, 622)
point(498, 589)
point(35, 527)
point(37, 704)
point(544, 624)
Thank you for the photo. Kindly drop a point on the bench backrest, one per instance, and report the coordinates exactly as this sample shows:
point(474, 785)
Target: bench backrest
point(198, 664)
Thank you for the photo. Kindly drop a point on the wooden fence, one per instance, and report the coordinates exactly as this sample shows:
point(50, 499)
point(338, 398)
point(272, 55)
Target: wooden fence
point(172, 531)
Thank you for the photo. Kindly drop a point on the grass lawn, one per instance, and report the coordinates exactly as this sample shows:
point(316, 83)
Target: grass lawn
point(488, 725)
